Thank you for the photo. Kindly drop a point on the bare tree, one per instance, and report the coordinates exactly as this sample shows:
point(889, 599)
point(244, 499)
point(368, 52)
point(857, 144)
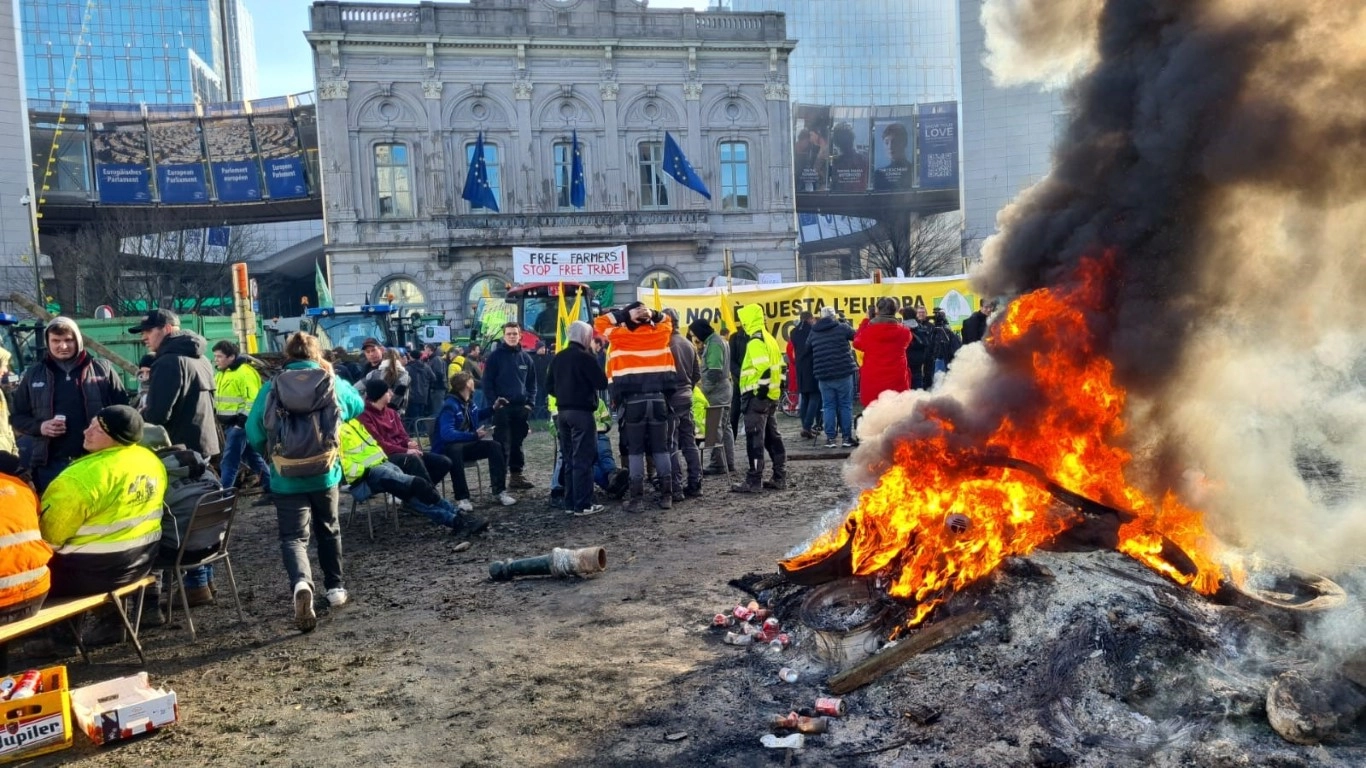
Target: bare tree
point(920, 246)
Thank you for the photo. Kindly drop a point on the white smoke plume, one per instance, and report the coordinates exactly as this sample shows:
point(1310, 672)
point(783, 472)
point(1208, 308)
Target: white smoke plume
point(1219, 148)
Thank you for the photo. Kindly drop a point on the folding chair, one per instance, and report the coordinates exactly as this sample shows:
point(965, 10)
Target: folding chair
point(390, 508)
point(422, 429)
point(214, 510)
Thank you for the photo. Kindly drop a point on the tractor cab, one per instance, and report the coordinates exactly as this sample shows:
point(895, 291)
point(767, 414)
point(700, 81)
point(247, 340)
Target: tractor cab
point(348, 326)
point(536, 307)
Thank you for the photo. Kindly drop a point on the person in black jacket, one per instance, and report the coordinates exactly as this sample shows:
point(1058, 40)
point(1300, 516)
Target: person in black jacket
point(809, 407)
point(510, 388)
point(918, 353)
point(58, 396)
point(832, 363)
point(975, 327)
point(575, 379)
point(739, 340)
point(180, 389)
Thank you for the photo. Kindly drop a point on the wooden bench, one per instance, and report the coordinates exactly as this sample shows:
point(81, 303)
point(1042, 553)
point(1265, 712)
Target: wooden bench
point(67, 609)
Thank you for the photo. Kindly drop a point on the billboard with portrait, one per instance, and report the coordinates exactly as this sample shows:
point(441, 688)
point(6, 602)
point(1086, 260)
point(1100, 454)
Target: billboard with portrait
point(849, 145)
point(893, 169)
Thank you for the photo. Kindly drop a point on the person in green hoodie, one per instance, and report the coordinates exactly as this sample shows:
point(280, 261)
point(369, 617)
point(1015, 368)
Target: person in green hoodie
point(313, 499)
point(761, 384)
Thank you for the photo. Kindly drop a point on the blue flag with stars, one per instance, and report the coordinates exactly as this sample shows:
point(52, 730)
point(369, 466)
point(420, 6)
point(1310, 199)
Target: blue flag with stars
point(477, 189)
point(677, 166)
point(578, 190)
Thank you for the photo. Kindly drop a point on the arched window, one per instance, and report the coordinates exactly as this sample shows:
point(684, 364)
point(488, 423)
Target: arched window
point(665, 278)
point(485, 291)
point(744, 272)
point(401, 292)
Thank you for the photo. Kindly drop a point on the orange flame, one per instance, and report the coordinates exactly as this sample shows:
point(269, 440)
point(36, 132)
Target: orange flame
point(902, 527)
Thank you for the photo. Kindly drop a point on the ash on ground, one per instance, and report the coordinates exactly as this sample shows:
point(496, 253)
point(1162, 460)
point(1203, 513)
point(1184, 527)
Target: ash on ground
point(1086, 659)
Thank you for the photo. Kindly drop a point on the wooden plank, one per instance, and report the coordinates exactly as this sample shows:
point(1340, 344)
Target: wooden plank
point(891, 658)
point(65, 609)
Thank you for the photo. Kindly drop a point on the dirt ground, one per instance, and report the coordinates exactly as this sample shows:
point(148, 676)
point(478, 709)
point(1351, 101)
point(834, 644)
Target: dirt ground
point(435, 664)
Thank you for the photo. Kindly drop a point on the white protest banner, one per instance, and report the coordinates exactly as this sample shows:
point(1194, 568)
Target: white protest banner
point(549, 265)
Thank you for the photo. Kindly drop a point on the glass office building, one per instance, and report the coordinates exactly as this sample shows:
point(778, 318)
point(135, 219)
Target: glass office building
point(869, 52)
point(133, 51)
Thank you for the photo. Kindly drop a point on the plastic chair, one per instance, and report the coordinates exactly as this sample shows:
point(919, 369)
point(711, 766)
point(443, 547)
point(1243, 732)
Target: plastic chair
point(214, 510)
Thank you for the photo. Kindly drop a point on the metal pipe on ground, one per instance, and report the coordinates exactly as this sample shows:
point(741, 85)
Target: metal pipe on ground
point(560, 562)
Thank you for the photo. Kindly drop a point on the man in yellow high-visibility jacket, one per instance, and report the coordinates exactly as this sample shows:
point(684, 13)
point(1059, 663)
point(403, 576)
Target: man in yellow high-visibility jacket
point(761, 384)
point(102, 515)
point(238, 383)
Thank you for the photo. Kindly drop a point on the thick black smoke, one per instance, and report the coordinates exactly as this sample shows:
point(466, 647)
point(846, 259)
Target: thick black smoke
point(1218, 149)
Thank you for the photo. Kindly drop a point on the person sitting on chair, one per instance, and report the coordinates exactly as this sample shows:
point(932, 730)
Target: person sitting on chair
point(386, 426)
point(24, 554)
point(460, 436)
point(366, 469)
point(102, 514)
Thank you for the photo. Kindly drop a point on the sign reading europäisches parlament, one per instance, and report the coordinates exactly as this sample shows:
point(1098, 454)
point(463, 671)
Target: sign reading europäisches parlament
point(549, 265)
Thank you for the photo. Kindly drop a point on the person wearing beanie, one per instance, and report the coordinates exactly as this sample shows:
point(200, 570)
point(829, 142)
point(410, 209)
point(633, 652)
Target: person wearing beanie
point(102, 514)
point(386, 426)
point(574, 380)
point(58, 395)
point(718, 439)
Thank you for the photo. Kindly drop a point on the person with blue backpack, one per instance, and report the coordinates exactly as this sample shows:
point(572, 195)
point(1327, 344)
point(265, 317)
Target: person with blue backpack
point(295, 423)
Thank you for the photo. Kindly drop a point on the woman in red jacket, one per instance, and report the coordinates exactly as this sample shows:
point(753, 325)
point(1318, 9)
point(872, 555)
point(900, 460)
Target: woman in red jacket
point(386, 426)
point(883, 341)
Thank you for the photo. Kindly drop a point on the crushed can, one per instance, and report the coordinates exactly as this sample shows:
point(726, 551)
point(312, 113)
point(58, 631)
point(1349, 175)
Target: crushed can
point(738, 638)
point(831, 706)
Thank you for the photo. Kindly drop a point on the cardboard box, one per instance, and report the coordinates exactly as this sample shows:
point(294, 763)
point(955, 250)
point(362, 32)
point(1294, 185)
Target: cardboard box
point(39, 724)
point(123, 708)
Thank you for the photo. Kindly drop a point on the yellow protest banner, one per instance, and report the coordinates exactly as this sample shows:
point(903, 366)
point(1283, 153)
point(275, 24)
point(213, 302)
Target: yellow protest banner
point(784, 303)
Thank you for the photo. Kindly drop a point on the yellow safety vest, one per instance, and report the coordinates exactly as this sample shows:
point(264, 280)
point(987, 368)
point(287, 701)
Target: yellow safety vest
point(359, 451)
point(104, 503)
point(235, 390)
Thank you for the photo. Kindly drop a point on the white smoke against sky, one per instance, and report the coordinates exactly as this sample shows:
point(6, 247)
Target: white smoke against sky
point(1249, 292)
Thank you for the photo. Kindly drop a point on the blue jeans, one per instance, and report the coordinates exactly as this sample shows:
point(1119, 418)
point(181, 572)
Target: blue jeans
point(838, 398)
point(388, 478)
point(233, 453)
point(809, 407)
point(603, 466)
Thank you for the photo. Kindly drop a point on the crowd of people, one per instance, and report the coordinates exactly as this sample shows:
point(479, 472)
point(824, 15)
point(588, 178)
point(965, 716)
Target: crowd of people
point(102, 480)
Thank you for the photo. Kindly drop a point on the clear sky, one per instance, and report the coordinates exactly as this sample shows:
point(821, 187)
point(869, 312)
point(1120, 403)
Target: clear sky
point(282, 57)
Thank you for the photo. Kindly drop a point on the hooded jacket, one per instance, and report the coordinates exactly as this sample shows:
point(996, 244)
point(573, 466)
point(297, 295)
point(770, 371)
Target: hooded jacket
point(23, 553)
point(457, 423)
point(180, 393)
point(883, 342)
point(831, 357)
point(715, 379)
point(801, 353)
point(236, 388)
point(34, 400)
point(761, 372)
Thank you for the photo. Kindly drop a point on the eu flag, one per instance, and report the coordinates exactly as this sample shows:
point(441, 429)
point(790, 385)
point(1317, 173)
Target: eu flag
point(477, 189)
point(677, 166)
point(578, 190)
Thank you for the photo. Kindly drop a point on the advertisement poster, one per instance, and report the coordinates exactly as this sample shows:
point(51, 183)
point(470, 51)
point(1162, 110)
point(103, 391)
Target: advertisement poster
point(550, 265)
point(285, 177)
point(938, 145)
point(123, 183)
point(179, 184)
point(849, 155)
point(118, 139)
point(237, 181)
point(893, 170)
point(811, 147)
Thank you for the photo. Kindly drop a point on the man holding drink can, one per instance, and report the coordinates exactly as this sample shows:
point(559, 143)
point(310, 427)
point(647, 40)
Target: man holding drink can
point(67, 383)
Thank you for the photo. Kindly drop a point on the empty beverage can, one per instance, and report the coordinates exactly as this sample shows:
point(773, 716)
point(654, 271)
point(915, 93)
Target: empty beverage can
point(830, 705)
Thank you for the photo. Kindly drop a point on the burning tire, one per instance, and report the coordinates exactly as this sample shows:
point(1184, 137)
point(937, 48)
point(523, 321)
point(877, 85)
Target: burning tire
point(1285, 590)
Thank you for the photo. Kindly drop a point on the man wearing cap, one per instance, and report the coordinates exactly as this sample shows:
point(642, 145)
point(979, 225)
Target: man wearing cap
point(60, 394)
point(181, 385)
point(102, 515)
point(373, 352)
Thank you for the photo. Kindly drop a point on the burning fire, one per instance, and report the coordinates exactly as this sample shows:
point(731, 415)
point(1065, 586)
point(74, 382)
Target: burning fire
point(905, 524)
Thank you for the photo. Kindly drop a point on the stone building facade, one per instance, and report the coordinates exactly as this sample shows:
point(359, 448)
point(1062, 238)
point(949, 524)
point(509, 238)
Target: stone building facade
point(404, 91)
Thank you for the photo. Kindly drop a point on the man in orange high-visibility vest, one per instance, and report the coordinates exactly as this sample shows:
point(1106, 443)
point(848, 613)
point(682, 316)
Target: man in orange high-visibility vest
point(640, 376)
